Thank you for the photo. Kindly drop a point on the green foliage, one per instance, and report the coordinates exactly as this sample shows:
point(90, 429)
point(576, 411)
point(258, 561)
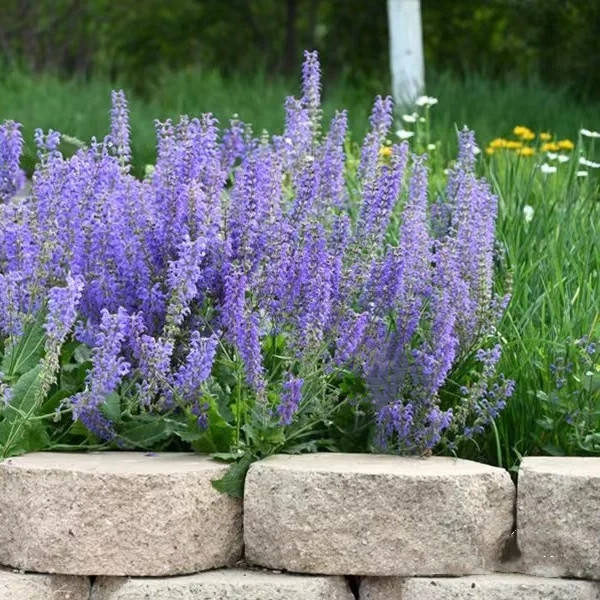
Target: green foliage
point(554, 309)
point(552, 259)
point(554, 40)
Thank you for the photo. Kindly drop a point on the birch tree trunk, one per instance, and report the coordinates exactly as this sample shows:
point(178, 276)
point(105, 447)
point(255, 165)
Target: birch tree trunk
point(406, 50)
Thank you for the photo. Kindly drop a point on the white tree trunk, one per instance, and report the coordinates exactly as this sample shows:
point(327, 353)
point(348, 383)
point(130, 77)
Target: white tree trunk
point(406, 50)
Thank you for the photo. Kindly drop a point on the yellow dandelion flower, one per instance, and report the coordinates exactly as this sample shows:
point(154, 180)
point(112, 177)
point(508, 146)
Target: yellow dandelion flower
point(526, 151)
point(550, 147)
point(565, 144)
point(523, 132)
point(497, 143)
point(513, 145)
point(490, 150)
point(545, 136)
point(385, 151)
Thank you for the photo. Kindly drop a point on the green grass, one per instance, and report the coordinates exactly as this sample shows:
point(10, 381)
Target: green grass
point(554, 259)
point(80, 108)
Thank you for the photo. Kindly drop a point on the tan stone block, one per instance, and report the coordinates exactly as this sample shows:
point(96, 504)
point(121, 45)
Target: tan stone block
point(478, 587)
point(359, 514)
point(116, 513)
point(558, 516)
point(32, 586)
point(225, 584)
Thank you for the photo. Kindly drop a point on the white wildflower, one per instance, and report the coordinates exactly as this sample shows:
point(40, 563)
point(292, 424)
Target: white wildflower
point(588, 133)
point(426, 101)
point(431, 146)
point(403, 134)
point(476, 150)
point(562, 158)
point(552, 155)
point(547, 169)
point(528, 213)
point(422, 119)
point(588, 163)
point(410, 118)
point(582, 173)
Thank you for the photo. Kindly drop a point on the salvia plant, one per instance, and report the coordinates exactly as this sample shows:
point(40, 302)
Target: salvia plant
point(250, 295)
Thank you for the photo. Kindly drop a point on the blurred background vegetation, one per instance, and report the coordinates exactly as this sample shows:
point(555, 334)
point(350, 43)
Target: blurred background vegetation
point(134, 41)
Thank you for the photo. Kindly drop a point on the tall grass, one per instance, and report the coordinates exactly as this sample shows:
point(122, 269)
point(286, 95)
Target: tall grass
point(555, 261)
point(79, 108)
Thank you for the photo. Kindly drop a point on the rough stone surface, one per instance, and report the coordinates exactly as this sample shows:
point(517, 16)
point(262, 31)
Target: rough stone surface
point(478, 587)
point(116, 513)
point(357, 514)
point(20, 586)
point(231, 584)
point(558, 516)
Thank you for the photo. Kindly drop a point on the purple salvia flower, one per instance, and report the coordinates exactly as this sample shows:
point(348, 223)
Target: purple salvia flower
point(196, 369)
point(12, 303)
point(332, 160)
point(306, 187)
point(351, 332)
point(296, 142)
point(394, 421)
point(108, 370)
point(62, 312)
point(234, 143)
point(154, 366)
point(381, 121)
point(311, 88)
point(381, 195)
point(291, 397)
point(182, 280)
point(12, 176)
point(241, 326)
point(119, 127)
point(47, 143)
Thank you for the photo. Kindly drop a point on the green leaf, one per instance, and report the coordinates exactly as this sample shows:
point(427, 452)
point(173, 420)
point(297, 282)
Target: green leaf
point(53, 402)
point(553, 450)
point(591, 382)
point(227, 457)
point(144, 432)
point(232, 483)
point(111, 408)
point(24, 395)
point(189, 436)
point(29, 349)
point(13, 427)
point(220, 434)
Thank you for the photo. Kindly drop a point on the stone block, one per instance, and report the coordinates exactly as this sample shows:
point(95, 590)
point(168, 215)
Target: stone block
point(558, 516)
point(33, 586)
point(116, 513)
point(353, 514)
point(225, 584)
point(478, 587)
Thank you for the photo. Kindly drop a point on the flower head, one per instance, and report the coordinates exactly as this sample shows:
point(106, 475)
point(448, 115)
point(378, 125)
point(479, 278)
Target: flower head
point(403, 134)
point(565, 144)
point(547, 169)
point(591, 134)
point(426, 101)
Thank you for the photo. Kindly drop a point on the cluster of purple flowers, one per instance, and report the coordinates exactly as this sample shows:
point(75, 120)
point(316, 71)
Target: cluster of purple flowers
point(174, 269)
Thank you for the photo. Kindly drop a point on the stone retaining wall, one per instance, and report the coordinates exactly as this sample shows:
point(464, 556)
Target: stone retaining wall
point(320, 526)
